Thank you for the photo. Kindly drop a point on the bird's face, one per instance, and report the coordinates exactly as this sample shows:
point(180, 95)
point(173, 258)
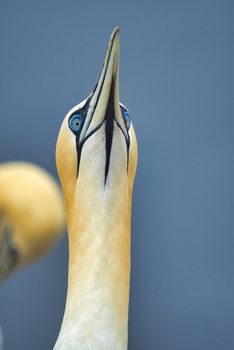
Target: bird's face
point(96, 150)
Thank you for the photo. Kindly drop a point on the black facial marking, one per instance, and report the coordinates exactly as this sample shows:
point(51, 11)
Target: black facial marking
point(77, 120)
point(83, 111)
point(109, 126)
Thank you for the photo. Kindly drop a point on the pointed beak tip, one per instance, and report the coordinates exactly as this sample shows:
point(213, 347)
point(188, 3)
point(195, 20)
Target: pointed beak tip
point(116, 30)
point(106, 92)
point(115, 34)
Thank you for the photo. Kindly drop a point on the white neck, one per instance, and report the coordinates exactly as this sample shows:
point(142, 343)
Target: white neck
point(96, 314)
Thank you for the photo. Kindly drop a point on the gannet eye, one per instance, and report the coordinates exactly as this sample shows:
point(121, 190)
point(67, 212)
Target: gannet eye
point(75, 122)
point(126, 117)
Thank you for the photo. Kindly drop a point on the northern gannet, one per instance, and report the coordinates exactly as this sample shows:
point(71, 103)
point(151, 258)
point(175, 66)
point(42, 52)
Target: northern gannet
point(96, 158)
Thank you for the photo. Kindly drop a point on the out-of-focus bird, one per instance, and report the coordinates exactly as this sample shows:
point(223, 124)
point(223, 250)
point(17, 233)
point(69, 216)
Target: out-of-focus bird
point(31, 214)
point(96, 158)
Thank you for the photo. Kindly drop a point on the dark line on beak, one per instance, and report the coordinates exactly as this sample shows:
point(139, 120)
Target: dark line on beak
point(108, 60)
point(78, 145)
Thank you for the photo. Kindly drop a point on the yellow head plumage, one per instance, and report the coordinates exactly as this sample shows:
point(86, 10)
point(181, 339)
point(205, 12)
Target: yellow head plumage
point(31, 214)
point(97, 146)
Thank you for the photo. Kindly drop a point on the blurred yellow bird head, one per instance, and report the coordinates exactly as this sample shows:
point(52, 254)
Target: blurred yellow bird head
point(31, 214)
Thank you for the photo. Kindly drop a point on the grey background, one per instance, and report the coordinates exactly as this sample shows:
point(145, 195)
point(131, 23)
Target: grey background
point(177, 80)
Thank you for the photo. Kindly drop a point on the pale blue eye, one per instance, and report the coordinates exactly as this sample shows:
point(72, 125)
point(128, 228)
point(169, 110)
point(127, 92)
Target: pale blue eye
point(126, 117)
point(75, 122)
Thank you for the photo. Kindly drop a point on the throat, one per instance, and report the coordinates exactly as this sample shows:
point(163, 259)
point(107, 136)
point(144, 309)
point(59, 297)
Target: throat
point(96, 314)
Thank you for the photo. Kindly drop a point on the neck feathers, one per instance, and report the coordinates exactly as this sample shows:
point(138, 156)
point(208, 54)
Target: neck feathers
point(96, 315)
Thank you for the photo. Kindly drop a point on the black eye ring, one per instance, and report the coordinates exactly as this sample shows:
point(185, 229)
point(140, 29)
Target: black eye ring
point(126, 117)
point(76, 122)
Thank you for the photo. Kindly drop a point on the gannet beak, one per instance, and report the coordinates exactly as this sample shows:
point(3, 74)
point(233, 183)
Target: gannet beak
point(104, 102)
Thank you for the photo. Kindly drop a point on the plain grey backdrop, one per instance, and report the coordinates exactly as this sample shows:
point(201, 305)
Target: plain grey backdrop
point(177, 80)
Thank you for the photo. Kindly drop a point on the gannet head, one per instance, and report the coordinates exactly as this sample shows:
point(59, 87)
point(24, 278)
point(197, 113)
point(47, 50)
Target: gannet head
point(97, 148)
